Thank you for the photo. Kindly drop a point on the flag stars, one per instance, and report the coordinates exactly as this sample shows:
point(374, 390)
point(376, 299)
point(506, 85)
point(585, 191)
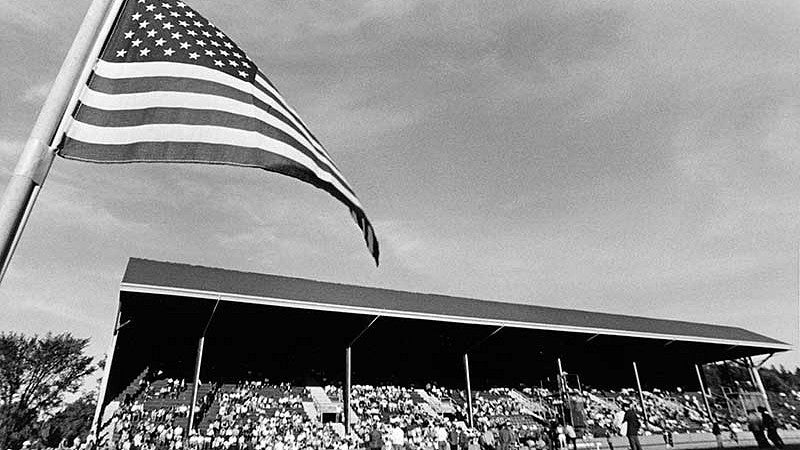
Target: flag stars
point(160, 42)
point(158, 16)
point(223, 53)
point(215, 43)
point(243, 74)
point(200, 43)
point(198, 24)
point(174, 14)
point(220, 34)
point(168, 26)
point(206, 34)
point(136, 16)
point(151, 33)
point(189, 14)
point(228, 45)
point(210, 53)
point(183, 23)
point(166, 5)
point(177, 35)
point(136, 42)
point(180, 5)
point(169, 52)
point(128, 34)
point(144, 24)
point(193, 55)
point(121, 53)
point(246, 64)
point(191, 33)
point(237, 55)
point(150, 8)
point(144, 52)
point(185, 45)
point(233, 63)
point(218, 63)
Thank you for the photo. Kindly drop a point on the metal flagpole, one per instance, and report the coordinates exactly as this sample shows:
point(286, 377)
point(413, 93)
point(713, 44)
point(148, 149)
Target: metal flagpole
point(705, 394)
point(469, 390)
point(641, 394)
point(37, 155)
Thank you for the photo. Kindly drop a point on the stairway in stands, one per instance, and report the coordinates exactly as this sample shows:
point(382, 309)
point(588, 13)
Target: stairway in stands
point(131, 391)
point(323, 403)
point(436, 406)
point(537, 409)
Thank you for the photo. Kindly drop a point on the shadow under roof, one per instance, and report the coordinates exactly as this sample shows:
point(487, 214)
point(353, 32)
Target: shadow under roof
point(183, 280)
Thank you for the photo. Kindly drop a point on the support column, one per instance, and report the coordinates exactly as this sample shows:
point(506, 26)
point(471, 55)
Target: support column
point(469, 391)
point(561, 388)
point(98, 410)
point(705, 394)
point(759, 383)
point(198, 364)
point(641, 394)
point(348, 364)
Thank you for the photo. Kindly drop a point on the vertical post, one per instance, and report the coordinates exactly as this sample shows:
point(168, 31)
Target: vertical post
point(198, 364)
point(469, 390)
point(561, 388)
point(705, 394)
point(101, 395)
point(37, 155)
point(348, 361)
point(641, 394)
point(759, 383)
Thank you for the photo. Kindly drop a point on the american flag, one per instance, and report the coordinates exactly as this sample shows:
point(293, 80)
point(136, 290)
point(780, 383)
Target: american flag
point(169, 86)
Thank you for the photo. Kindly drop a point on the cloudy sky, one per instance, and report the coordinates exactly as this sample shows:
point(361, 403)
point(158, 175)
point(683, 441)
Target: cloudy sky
point(631, 157)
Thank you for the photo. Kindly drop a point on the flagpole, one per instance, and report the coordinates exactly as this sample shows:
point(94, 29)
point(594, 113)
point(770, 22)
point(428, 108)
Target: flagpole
point(37, 155)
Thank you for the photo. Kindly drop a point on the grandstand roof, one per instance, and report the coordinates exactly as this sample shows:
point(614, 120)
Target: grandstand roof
point(292, 329)
point(183, 280)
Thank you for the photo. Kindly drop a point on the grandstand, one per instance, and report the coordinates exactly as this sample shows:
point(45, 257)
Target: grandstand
point(274, 355)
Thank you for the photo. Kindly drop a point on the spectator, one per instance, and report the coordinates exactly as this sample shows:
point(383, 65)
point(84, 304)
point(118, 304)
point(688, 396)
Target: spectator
point(487, 439)
point(771, 427)
point(756, 426)
point(506, 437)
point(375, 438)
point(631, 419)
point(717, 432)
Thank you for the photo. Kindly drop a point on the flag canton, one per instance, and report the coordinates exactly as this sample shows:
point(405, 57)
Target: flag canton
point(154, 30)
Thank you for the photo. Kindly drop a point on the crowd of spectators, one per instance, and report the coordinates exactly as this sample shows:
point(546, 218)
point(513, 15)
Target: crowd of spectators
point(263, 416)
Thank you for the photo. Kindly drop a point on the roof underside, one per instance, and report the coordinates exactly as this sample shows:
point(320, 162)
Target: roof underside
point(187, 280)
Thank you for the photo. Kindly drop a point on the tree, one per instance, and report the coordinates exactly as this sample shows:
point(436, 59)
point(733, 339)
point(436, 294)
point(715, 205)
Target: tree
point(35, 374)
point(75, 420)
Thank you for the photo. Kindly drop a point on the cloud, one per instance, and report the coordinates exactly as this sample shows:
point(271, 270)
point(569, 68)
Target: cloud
point(24, 15)
point(37, 93)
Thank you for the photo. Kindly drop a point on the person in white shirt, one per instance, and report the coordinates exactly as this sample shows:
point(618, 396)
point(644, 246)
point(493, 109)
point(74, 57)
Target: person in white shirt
point(397, 437)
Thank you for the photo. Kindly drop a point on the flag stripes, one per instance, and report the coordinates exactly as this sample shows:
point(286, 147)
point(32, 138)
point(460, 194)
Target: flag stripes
point(181, 107)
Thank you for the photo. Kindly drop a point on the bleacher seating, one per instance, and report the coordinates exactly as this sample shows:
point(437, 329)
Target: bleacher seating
point(256, 415)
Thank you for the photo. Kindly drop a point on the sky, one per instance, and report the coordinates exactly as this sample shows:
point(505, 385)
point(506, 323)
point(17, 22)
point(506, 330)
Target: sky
point(620, 156)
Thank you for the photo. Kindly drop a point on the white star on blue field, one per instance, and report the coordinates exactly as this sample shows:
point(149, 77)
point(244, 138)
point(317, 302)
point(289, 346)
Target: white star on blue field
point(630, 157)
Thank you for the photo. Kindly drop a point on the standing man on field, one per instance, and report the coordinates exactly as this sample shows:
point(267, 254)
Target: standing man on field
point(632, 420)
point(756, 426)
point(771, 427)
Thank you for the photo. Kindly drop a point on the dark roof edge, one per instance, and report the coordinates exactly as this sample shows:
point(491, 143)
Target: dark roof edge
point(131, 282)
